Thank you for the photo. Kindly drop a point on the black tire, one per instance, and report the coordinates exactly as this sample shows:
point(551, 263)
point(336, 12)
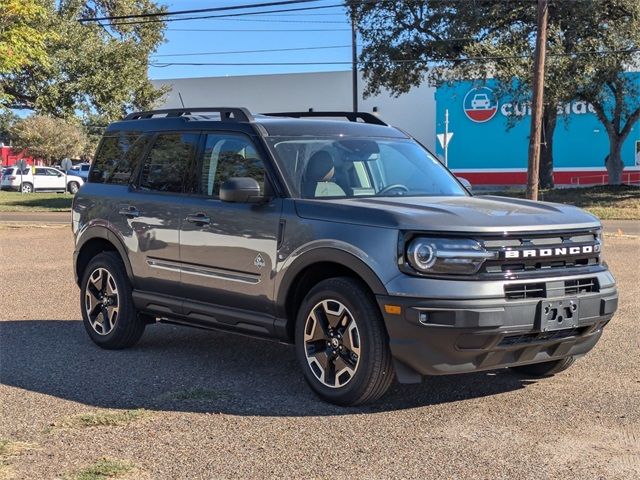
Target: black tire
point(545, 369)
point(373, 373)
point(127, 326)
point(26, 187)
point(73, 187)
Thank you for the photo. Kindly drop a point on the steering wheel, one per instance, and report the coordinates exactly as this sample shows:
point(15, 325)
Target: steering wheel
point(395, 186)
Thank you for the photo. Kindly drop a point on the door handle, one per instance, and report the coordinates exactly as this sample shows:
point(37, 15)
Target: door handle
point(198, 219)
point(129, 211)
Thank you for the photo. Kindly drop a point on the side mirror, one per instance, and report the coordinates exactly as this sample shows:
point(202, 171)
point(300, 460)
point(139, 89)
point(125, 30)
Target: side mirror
point(465, 182)
point(241, 190)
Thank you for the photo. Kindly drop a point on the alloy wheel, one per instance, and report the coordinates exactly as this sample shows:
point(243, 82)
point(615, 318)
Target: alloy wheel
point(26, 188)
point(332, 343)
point(101, 301)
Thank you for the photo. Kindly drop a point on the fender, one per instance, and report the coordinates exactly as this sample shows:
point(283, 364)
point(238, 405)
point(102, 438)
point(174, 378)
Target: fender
point(319, 255)
point(105, 233)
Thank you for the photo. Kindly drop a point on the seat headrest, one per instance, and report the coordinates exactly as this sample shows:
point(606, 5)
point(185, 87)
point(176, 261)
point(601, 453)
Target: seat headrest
point(320, 167)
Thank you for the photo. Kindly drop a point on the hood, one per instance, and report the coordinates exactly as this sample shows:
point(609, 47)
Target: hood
point(478, 214)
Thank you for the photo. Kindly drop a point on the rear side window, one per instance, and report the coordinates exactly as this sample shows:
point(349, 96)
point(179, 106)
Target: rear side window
point(168, 166)
point(117, 158)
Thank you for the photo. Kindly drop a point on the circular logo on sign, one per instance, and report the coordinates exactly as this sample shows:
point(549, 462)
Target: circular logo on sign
point(480, 104)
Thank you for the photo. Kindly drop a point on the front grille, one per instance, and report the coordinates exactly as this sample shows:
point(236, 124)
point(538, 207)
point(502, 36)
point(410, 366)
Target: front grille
point(541, 337)
point(522, 291)
point(558, 243)
point(551, 289)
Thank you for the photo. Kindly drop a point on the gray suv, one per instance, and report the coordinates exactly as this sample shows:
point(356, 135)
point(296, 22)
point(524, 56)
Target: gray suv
point(341, 235)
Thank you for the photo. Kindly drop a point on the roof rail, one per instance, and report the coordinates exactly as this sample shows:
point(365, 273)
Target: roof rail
point(238, 114)
point(351, 116)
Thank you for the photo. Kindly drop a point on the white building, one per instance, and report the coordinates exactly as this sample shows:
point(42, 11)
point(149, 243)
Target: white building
point(414, 112)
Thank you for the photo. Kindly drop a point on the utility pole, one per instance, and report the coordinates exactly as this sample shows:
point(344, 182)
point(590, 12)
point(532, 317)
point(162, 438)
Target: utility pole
point(535, 135)
point(354, 61)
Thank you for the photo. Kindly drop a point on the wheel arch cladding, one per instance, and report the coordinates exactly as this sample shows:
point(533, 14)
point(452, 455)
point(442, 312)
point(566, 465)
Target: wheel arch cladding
point(312, 268)
point(95, 241)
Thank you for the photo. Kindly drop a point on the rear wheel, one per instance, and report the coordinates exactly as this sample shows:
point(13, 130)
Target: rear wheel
point(26, 187)
point(545, 369)
point(341, 343)
point(107, 307)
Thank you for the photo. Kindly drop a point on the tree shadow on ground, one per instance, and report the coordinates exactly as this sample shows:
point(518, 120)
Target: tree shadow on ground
point(43, 203)
point(183, 369)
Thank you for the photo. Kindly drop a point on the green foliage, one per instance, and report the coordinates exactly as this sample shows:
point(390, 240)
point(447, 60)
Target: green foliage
point(7, 120)
point(92, 68)
point(49, 138)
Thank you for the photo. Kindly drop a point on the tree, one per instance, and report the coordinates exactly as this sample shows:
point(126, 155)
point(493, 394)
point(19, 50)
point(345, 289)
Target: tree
point(7, 120)
point(48, 138)
point(91, 67)
point(407, 43)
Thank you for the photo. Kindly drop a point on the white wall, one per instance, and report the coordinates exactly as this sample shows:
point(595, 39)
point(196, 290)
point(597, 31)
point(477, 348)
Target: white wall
point(414, 112)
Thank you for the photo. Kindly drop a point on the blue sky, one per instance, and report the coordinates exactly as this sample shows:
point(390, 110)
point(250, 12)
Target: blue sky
point(298, 32)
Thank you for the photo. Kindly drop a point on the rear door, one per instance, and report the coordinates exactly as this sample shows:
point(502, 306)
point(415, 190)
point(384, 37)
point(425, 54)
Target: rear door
point(228, 250)
point(153, 211)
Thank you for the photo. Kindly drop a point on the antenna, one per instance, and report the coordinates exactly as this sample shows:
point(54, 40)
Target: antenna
point(180, 96)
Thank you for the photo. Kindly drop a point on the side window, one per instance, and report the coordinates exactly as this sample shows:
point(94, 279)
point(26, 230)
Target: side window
point(168, 166)
point(117, 158)
point(40, 171)
point(226, 156)
point(51, 172)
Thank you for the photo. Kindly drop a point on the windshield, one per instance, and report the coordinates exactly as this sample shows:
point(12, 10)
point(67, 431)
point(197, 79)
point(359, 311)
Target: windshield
point(330, 167)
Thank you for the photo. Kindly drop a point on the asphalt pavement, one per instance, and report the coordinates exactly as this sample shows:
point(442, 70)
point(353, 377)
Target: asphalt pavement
point(223, 406)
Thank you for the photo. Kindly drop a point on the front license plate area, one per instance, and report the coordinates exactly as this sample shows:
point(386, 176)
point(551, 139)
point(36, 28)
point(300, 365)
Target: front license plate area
point(559, 314)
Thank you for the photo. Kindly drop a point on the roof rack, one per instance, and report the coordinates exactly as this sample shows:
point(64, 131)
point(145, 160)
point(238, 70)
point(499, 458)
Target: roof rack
point(351, 116)
point(238, 114)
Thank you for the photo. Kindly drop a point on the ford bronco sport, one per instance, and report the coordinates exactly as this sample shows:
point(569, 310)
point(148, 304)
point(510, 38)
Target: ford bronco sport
point(346, 238)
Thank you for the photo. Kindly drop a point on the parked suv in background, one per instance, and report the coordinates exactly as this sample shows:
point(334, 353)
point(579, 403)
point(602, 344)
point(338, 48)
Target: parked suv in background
point(40, 179)
point(346, 238)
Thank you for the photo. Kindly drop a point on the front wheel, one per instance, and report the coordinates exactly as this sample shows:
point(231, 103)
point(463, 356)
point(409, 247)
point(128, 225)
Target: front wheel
point(108, 313)
point(545, 369)
point(73, 187)
point(341, 343)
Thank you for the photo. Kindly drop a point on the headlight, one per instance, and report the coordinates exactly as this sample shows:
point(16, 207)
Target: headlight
point(446, 256)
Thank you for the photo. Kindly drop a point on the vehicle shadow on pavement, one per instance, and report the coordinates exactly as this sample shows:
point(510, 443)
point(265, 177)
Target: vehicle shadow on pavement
point(184, 369)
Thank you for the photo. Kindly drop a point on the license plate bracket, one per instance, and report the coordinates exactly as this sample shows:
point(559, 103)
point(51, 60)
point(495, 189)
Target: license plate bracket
point(559, 314)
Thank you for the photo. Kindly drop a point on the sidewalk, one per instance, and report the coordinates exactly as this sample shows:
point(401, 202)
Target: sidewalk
point(624, 227)
point(47, 218)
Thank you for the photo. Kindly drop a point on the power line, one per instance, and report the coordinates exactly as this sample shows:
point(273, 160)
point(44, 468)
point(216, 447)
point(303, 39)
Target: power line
point(251, 51)
point(340, 62)
point(199, 10)
point(258, 30)
point(228, 15)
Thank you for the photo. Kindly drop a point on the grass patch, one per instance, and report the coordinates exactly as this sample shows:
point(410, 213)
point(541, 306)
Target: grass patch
point(104, 468)
point(102, 419)
point(607, 202)
point(35, 202)
point(194, 394)
point(8, 449)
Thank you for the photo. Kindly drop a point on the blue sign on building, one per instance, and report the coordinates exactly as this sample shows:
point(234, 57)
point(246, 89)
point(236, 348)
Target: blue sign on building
point(485, 150)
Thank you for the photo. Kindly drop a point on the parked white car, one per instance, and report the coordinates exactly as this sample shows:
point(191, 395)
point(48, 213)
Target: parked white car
point(39, 179)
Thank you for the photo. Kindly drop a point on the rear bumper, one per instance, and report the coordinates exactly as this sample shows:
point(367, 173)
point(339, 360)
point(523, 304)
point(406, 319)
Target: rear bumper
point(11, 188)
point(458, 336)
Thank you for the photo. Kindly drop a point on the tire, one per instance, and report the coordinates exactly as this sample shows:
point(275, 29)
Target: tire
point(545, 369)
point(73, 187)
point(26, 187)
point(339, 318)
point(112, 323)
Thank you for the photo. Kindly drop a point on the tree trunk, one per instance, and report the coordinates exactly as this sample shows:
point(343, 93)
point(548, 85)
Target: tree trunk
point(613, 161)
point(549, 120)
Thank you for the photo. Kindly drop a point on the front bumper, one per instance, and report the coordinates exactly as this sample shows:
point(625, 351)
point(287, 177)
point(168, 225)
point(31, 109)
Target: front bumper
point(466, 335)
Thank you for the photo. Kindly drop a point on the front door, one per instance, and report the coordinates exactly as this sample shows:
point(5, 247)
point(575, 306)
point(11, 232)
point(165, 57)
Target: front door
point(228, 250)
point(47, 179)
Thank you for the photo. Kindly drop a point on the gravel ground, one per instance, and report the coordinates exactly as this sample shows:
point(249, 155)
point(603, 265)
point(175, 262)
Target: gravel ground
point(223, 406)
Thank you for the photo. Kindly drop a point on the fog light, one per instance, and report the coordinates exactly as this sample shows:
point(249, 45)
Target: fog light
point(423, 318)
